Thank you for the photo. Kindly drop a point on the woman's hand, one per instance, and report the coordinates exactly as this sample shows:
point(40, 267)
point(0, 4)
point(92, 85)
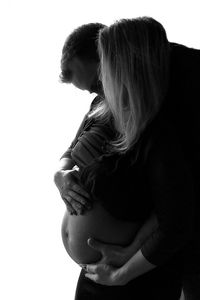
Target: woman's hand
point(75, 197)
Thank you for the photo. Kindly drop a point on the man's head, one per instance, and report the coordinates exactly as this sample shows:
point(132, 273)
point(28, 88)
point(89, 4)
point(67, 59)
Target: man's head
point(80, 59)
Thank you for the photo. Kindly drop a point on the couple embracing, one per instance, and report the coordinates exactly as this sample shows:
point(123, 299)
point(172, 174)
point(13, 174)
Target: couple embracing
point(130, 178)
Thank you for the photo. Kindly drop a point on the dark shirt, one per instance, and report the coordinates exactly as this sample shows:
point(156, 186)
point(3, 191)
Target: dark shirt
point(181, 112)
point(181, 108)
point(171, 186)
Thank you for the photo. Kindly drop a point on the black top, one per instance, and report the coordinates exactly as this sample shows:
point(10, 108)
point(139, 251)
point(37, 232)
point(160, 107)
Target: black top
point(180, 112)
point(181, 108)
point(171, 186)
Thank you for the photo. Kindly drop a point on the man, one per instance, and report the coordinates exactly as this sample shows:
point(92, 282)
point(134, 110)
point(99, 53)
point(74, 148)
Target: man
point(79, 66)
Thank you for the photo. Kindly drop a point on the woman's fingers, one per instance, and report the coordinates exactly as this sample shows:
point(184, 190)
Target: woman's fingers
point(78, 202)
point(74, 196)
point(70, 208)
point(77, 206)
point(78, 189)
point(79, 198)
point(71, 191)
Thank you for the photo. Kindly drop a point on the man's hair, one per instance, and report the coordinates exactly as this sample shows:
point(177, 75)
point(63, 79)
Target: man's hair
point(82, 42)
point(134, 71)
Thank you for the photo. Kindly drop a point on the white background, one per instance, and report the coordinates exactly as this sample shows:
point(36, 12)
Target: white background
point(38, 119)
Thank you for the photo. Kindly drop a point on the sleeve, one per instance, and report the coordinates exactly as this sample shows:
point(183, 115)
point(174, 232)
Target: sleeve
point(173, 197)
point(67, 153)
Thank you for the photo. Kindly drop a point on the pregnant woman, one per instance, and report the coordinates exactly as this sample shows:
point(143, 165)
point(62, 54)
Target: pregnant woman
point(126, 172)
point(109, 179)
point(106, 220)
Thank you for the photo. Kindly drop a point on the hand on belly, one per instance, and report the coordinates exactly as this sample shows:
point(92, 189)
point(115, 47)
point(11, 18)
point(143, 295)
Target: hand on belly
point(96, 223)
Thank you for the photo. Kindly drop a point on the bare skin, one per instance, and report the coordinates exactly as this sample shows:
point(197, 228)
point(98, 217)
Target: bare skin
point(96, 223)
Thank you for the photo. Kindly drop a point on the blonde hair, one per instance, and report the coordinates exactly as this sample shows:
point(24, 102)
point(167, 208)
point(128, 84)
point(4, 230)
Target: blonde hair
point(134, 56)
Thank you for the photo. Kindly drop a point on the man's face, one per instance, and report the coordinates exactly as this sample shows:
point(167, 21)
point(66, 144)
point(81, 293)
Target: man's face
point(83, 73)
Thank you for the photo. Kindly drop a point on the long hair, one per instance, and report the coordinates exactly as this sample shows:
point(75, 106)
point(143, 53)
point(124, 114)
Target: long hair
point(134, 55)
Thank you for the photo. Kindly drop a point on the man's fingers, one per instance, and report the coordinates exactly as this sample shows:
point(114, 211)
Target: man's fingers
point(96, 245)
point(93, 277)
point(92, 269)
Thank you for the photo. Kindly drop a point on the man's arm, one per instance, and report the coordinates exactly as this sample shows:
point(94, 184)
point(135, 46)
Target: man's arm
point(116, 255)
point(175, 225)
point(173, 195)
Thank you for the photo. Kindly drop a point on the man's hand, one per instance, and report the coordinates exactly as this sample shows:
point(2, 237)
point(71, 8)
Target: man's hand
point(75, 197)
point(117, 255)
point(104, 274)
point(107, 271)
point(118, 265)
point(112, 254)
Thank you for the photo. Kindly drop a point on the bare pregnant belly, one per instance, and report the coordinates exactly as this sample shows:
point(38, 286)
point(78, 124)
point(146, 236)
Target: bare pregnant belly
point(96, 223)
